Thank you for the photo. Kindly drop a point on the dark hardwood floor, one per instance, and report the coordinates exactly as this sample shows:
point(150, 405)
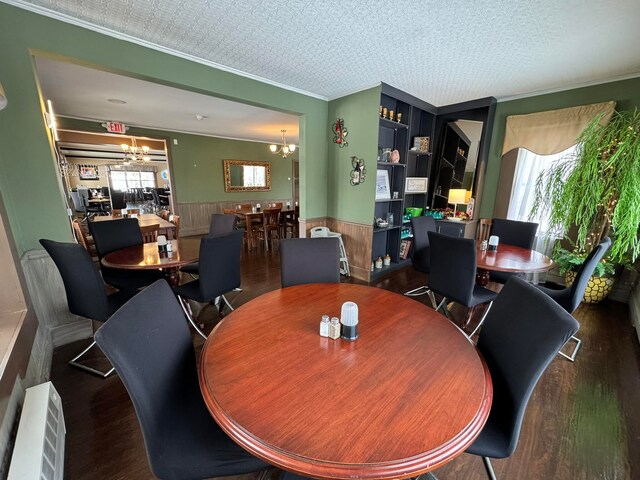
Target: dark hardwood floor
point(583, 421)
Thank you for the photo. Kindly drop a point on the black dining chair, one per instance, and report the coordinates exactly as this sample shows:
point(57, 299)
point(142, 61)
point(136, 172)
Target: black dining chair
point(453, 276)
point(219, 261)
point(112, 235)
point(152, 351)
point(570, 297)
point(512, 232)
point(421, 226)
point(85, 290)
point(521, 335)
point(221, 223)
point(118, 201)
point(309, 260)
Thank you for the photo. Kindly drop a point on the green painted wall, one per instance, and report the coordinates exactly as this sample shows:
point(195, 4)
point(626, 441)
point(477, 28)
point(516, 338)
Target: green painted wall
point(360, 114)
point(625, 92)
point(197, 163)
point(29, 185)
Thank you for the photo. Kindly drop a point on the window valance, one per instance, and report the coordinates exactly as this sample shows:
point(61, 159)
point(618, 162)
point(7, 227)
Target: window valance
point(554, 131)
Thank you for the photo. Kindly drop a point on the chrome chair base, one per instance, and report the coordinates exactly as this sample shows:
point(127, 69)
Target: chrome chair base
point(489, 468)
point(74, 362)
point(572, 357)
point(475, 330)
point(416, 292)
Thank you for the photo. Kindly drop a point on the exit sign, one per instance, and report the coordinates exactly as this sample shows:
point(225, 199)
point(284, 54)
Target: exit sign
point(115, 127)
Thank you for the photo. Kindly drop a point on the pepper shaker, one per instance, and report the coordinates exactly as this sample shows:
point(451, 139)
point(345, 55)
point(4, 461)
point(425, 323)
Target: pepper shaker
point(334, 328)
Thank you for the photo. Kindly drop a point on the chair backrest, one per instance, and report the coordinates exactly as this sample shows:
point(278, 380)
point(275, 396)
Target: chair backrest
point(117, 200)
point(316, 232)
point(113, 235)
point(421, 227)
point(156, 196)
point(80, 236)
point(452, 269)
point(133, 211)
point(222, 223)
point(83, 193)
point(272, 216)
point(513, 232)
point(521, 335)
point(105, 191)
point(150, 232)
point(175, 219)
point(78, 206)
point(219, 263)
point(309, 260)
point(148, 343)
point(86, 295)
point(579, 285)
point(484, 229)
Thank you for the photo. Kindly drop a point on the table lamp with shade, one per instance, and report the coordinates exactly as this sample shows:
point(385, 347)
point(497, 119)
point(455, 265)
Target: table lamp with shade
point(456, 196)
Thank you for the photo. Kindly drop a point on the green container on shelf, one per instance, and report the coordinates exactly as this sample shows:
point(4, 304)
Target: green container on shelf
point(413, 211)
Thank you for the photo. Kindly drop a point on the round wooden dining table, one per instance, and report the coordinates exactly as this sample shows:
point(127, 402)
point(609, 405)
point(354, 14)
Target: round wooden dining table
point(147, 257)
point(509, 258)
point(411, 393)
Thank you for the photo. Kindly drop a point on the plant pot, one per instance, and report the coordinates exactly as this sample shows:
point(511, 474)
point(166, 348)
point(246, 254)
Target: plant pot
point(598, 288)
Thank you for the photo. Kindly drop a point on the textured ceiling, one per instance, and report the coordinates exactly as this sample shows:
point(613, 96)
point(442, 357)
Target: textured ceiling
point(83, 92)
point(442, 52)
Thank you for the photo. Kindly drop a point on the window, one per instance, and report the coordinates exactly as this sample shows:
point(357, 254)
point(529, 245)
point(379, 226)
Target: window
point(123, 180)
point(528, 167)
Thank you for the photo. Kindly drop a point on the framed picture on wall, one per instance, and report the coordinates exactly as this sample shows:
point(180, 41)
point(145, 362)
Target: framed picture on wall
point(88, 172)
point(383, 191)
point(416, 185)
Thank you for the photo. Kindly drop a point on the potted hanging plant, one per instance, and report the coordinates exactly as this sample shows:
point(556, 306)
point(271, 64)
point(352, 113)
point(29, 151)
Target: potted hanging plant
point(597, 190)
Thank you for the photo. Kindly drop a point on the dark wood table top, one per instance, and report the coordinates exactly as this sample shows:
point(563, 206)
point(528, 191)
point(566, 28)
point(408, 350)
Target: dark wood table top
point(406, 397)
point(147, 257)
point(144, 219)
point(510, 258)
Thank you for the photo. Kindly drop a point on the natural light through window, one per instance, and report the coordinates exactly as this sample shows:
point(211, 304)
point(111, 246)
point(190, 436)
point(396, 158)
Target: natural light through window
point(125, 180)
point(253, 176)
point(528, 167)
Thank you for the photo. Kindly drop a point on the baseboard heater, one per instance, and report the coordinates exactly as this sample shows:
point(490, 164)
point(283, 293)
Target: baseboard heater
point(38, 453)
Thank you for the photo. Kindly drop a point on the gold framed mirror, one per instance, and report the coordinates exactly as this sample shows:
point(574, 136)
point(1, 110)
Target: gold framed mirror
point(246, 176)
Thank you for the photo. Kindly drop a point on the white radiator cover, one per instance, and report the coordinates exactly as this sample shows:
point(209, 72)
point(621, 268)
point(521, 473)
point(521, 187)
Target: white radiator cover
point(38, 453)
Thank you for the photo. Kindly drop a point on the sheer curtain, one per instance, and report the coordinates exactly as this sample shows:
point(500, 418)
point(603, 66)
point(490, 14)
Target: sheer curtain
point(528, 166)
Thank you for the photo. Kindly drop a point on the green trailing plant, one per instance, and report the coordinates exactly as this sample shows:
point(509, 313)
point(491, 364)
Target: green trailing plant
point(597, 189)
point(568, 260)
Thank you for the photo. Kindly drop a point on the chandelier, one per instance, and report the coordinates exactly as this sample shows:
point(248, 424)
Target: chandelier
point(283, 149)
point(135, 154)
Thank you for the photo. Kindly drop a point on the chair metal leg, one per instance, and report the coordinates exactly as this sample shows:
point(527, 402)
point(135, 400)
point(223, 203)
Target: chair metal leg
point(74, 362)
point(572, 357)
point(445, 310)
point(416, 292)
point(475, 330)
point(187, 311)
point(489, 468)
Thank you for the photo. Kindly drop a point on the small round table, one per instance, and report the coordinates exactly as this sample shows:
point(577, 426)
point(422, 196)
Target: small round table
point(509, 258)
point(411, 393)
point(147, 257)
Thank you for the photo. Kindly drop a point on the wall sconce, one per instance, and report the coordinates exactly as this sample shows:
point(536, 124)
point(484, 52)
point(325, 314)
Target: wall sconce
point(359, 172)
point(340, 133)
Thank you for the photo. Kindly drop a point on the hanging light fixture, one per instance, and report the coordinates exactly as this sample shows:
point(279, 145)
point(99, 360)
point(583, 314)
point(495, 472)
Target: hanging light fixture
point(283, 149)
point(135, 154)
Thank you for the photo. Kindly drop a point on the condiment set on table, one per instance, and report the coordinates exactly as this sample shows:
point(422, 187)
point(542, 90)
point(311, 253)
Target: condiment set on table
point(346, 327)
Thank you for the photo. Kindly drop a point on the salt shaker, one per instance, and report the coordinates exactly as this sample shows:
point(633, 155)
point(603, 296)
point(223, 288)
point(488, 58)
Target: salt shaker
point(484, 245)
point(324, 326)
point(334, 328)
point(169, 246)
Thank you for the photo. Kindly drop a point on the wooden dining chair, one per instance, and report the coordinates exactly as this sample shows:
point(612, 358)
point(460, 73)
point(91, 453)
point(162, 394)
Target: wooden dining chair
point(164, 214)
point(150, 233)
point(175, 219)
point(133, 211)
point(288, 224)
point(270, 228)
point(254, 222)
point(85, 240)
point(484, 227)
point(116, 212)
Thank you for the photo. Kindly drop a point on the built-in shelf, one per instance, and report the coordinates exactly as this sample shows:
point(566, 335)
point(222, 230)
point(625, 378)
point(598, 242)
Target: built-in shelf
point(379, 272)
point(419, 152)
point(386, 229)
point(391, 124)
point(389, 164)
point(389, 200)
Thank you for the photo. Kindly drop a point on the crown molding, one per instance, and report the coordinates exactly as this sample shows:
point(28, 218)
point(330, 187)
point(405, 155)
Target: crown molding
point(591, 83)
point(357, 90)
point(153, 46)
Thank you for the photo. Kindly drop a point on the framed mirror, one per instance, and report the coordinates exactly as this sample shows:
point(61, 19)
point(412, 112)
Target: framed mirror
point(246, 176)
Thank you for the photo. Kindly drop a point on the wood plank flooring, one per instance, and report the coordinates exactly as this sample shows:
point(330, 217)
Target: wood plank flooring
point(583, 421)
